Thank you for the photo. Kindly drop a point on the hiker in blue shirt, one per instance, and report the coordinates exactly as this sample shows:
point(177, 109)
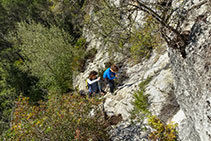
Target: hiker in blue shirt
point(93, 84)
point(109, 76)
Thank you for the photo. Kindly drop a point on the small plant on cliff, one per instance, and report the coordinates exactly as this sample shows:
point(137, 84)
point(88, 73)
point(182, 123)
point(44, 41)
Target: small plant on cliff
point(144, 40)
point(162, 131)
point(141, 99)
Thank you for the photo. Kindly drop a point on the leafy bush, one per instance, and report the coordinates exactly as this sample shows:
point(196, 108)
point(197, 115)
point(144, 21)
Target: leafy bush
point(79, 54)
point(13, 82)
point(66, 117)
point(50, 54)
point(161, 130)
point(38, 53)
point(46, 53)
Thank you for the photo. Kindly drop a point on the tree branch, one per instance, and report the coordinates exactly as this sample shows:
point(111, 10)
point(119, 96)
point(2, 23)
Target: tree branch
point(148, 10)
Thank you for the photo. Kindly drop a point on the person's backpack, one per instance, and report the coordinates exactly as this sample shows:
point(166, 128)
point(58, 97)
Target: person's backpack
point(88, 85)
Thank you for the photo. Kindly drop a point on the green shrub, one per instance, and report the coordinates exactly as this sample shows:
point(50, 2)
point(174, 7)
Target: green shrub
point(141, 99)
point(7, 97)
point(79, 54)
point(50, 54)
point(162, 131)
point(47, 54)
point(64, 117)
point(12, 83)
point(141, 102)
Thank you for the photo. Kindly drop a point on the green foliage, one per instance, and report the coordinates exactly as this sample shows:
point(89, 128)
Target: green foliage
point(141, 102)
point(144, 83)
point(81, 54)
point(23, 56)
point(144, 40)
point(161, 130)
point(7, 95)
point(141, 99)
point(66, 14)
point(20, 10)
point(109, 26)
point(12, 83)
point(122, 34)
point(47, 54)
point(64, 117)
point(4, 22)
point(69, 15)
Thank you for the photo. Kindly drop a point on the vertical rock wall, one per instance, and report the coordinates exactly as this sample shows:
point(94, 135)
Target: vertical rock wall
point(192, 77)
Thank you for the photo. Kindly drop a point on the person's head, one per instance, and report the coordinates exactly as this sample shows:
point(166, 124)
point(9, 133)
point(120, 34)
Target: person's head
point(114, 68)
point(92, 75)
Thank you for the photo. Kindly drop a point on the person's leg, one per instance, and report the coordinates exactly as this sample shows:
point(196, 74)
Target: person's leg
point(95, 87)
point(111, 85)
point(100, 88)
point(90, 94)
point(97, 93)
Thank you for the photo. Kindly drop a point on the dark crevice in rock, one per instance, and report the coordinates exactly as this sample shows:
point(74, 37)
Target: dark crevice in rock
point(170, 108)
point(208, 103)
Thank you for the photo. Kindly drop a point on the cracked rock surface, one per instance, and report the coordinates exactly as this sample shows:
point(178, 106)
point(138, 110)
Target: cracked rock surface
point(192, 76)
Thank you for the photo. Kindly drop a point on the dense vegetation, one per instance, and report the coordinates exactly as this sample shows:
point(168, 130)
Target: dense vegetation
point(41, 47)
point(41, 50)
point(64, 117)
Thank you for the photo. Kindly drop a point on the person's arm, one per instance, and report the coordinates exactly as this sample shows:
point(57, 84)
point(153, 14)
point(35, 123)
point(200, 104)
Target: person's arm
point(93, 81)
point(109, 76)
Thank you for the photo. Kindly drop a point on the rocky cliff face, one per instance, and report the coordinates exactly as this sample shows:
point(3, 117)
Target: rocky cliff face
point(160, 90)
point(180, 89)
point(192, 76)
